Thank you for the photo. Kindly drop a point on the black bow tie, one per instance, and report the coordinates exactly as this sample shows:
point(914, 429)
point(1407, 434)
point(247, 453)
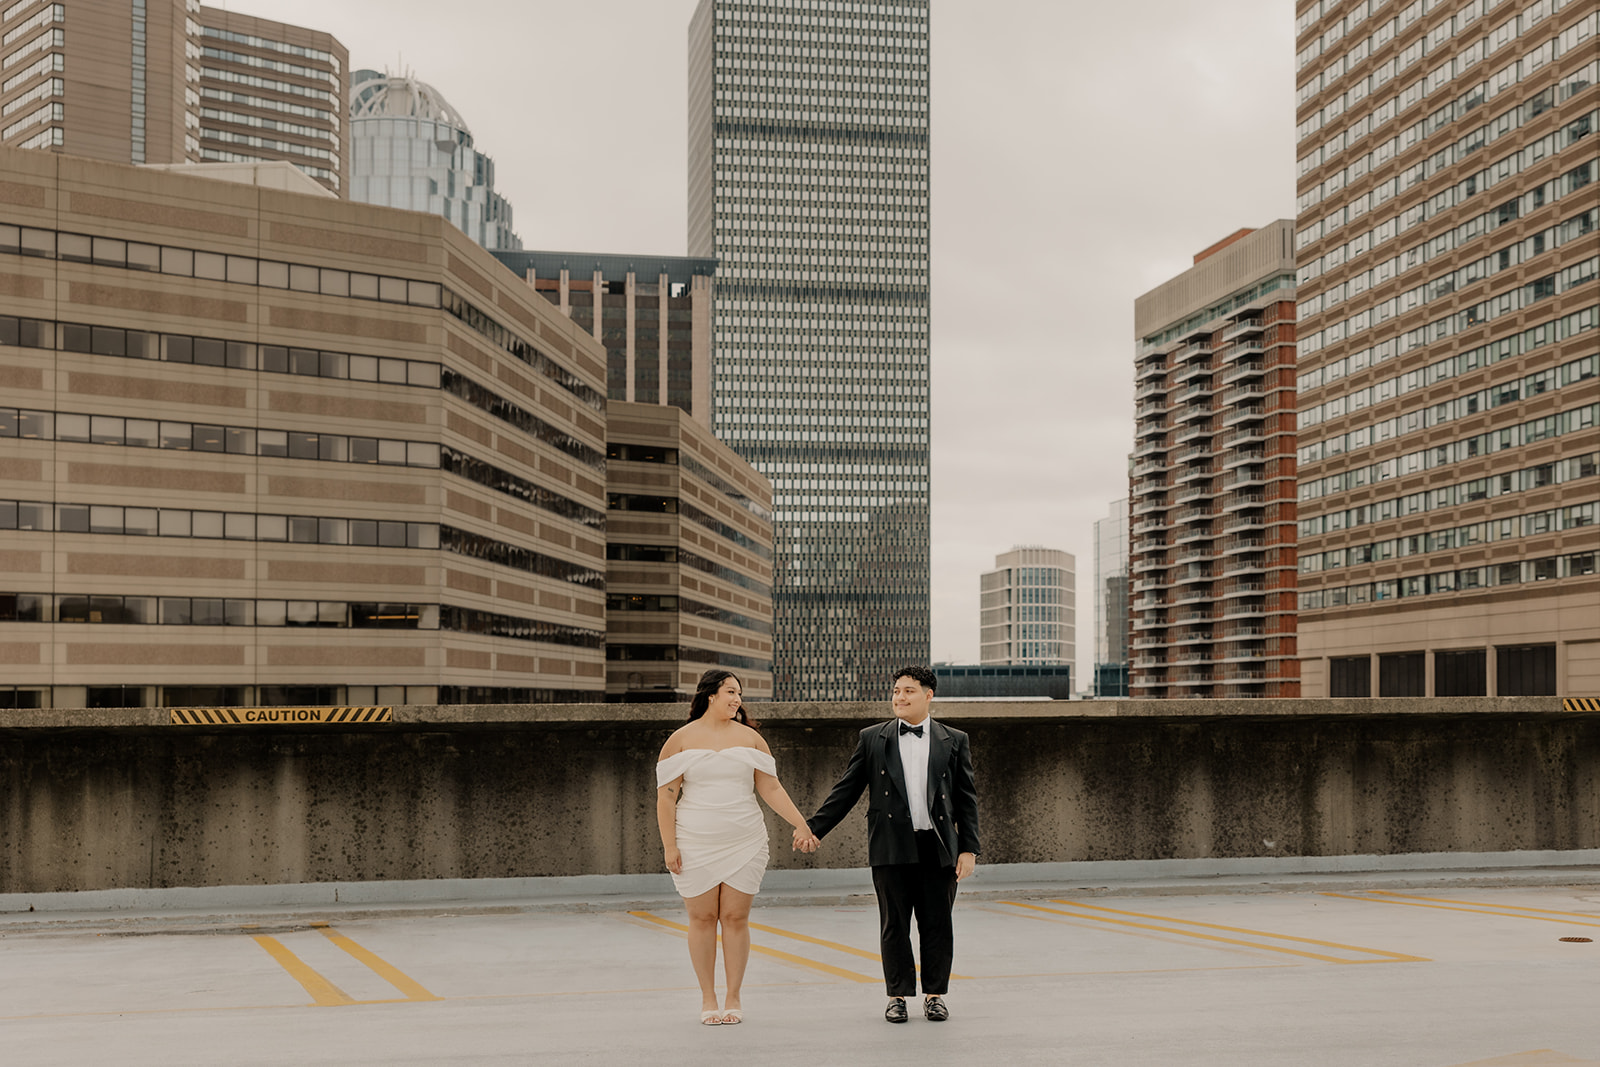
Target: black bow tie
point(904, 729)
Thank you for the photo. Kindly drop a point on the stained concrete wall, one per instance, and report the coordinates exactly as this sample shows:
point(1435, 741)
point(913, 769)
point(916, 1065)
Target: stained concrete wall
point(120, 799)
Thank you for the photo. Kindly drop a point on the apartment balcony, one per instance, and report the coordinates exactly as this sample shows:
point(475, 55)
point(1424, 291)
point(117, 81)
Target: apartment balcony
point(1149, 641)
point(1244, 520)
point(1140, 566)
point(1149, 465)
point(1189, 474)
point(1142, 585)
point(1191, 432)
point(1239, 329)
point(1188, 515)
point(1243, 565)
point(1193, 492)
point(1150, 446)
point(1232, 545)
point(1190, 413)
point(1235, 457)
point(1149, 389)
point(1150, 483)
point(1238, 371)
point(1243, 587)
point(1240, 393)
point(1241, 630)
point(1187, 535)
point(1191, 637)
point(1242, 412)
point(1190, 678)
point(1191, 551)
point(1242, 349)
point(1146, 505)
point(1149, 623)
point(1190, 615)
point(1153, 522)
point(1193, 350)
point(1239, 672)
point(1188, 372)
point(1183, 455)
point(1242, 436)
point(1191, 594)
point(1244, 498)
point(1149, 408)
point(1148, 662)
point(1153, 370)
point(1239, 477)
point(1240, 609)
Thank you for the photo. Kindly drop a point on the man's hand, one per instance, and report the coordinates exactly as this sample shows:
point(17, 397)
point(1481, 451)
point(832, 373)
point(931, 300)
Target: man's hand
point(964, 865)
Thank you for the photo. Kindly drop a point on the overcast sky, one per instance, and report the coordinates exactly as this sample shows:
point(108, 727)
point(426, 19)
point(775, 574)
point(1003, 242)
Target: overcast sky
point(1082, 153)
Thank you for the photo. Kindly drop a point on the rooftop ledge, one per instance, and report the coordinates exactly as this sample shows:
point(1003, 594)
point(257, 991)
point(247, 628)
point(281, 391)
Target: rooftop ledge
point(501, 716)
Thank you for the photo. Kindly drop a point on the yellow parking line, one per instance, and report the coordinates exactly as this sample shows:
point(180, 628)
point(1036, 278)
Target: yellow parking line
point(1478, 904)
point(387, 971)
point(863, 953)
point(1386, 957)
point(323, 992)
point(825, 968)
point(1468, 907)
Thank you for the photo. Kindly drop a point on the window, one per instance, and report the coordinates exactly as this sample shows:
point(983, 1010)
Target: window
point(1528, 670)
point(1350, 676)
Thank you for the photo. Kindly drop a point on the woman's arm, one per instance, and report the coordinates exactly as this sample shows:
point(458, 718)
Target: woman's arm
point(777, 799)
point(667, 807)
point(667, 823)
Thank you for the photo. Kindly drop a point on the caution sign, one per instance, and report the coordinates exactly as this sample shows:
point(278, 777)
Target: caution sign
point(278, 716)
point(1580, 704)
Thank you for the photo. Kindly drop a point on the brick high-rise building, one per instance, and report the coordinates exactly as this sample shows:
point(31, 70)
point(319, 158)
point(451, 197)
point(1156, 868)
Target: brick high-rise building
point(169, 82)
point(1448, 384)
point(1212, 544)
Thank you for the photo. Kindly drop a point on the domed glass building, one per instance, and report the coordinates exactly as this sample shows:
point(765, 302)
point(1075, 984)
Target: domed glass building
point(410, 149)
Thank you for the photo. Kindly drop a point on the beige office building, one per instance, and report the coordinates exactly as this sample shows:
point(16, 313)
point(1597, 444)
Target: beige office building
point(1211, 553)
point(172, 81)
point(264, 447)
point(689, 551)
point(1449, 394)
point(1028, 612)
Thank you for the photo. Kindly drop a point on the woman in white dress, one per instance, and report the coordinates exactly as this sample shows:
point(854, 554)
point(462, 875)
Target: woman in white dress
point(713, 833)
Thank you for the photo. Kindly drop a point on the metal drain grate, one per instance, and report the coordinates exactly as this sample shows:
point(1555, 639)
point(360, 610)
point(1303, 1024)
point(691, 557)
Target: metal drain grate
point(1579, 940)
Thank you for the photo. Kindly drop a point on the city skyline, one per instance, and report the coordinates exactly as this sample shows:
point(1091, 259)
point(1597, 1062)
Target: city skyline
point(1030, 455)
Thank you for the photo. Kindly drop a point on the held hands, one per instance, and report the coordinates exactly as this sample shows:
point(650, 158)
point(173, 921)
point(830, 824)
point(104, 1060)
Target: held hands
point(805, 840)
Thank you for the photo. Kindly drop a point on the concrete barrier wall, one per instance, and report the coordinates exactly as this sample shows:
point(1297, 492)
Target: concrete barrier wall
point(119, 799)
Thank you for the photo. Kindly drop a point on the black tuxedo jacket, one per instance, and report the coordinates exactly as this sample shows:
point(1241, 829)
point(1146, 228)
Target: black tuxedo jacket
point(875, 767)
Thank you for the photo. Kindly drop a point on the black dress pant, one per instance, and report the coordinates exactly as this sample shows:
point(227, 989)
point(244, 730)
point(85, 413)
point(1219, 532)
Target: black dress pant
point(927, 890)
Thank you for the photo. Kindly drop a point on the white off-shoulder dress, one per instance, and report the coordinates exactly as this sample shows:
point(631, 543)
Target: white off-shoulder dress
point(721, 833)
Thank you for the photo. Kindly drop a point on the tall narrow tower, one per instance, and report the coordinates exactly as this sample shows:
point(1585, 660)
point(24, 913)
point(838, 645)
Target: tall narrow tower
point(808, 181)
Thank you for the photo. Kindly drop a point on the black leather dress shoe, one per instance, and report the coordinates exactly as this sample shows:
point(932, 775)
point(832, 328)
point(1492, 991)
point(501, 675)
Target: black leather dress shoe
point(934, 1010)
point(896, 1011)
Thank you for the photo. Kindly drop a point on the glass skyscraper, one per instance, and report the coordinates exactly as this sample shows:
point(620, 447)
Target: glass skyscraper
point(410, 149)
point(808, 181)
point(1111, 602)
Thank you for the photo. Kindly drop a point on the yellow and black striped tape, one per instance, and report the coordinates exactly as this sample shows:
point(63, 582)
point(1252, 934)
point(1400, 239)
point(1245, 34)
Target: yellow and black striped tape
point(1580, 703)
point(277, 716)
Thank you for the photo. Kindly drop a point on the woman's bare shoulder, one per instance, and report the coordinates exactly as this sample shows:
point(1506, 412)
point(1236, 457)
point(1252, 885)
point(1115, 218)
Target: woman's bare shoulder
point(676, 742)
point(756, 740)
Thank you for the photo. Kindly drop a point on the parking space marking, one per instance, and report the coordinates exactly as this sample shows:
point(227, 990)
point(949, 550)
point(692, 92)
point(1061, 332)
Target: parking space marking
point(802, 961)
point(382, 968)
point(1089, 911)
point(1471, 907)
point(324, 993)
point(836, 946)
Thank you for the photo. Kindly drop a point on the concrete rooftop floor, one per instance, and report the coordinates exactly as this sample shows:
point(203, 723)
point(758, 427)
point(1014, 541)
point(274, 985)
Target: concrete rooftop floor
point(1419, 969)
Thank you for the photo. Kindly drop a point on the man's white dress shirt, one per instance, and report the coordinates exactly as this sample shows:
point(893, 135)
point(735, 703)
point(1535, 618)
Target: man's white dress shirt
point(914, 761)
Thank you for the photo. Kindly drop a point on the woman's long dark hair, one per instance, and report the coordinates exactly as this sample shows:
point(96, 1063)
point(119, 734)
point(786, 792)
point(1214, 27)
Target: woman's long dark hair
point(710, 682)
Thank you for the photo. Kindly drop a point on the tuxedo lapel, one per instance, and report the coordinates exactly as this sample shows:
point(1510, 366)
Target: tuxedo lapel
point(938, 757)
point(890, 739)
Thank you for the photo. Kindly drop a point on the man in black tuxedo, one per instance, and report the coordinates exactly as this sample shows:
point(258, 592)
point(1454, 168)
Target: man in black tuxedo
point(922, 835)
